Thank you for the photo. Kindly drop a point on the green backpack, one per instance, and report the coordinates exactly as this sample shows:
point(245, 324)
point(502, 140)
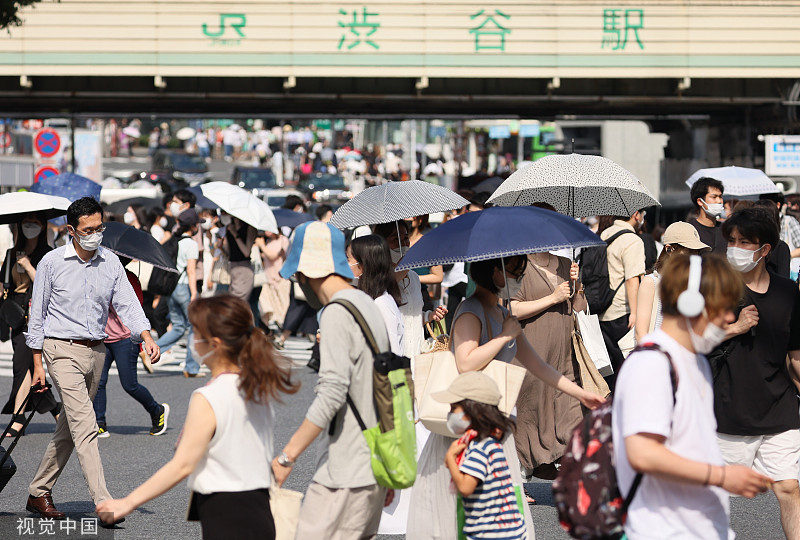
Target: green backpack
point(393, 441)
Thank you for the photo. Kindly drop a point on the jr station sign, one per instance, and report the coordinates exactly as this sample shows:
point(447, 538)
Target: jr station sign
point(414, 38)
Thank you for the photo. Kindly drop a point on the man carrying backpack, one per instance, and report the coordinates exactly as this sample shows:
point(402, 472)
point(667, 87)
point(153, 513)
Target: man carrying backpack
point(625, 255)
point(343, 501)
point(663, 423)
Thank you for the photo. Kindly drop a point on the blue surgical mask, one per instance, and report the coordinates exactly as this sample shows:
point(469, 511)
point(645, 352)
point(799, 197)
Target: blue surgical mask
point(199, 358)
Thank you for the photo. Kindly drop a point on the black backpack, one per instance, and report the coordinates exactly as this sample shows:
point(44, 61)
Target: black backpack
point(589, 503)
point(594, 276)
point(161, 281)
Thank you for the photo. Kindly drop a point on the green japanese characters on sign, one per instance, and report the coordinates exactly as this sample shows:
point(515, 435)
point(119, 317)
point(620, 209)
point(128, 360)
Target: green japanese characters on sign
point(615, 35)
point(490, 34)
point(234, 21)
point(359, 31)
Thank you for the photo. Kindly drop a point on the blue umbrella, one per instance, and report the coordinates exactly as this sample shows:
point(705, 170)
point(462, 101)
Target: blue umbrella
point(289, 218)
point(68, 185)
point(499, 231)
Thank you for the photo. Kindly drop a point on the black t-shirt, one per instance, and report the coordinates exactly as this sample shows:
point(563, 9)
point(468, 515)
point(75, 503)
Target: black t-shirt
point(780, 259)
point(234, 253)
point(754, 393)
point(711, 236)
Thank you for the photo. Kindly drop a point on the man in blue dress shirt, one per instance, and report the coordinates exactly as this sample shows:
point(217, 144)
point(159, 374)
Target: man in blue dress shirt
point(74, 287)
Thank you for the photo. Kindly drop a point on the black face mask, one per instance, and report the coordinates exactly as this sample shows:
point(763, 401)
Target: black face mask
point(311, 297)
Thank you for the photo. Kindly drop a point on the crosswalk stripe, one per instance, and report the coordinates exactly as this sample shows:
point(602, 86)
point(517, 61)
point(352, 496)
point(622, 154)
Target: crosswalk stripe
point(296, 349)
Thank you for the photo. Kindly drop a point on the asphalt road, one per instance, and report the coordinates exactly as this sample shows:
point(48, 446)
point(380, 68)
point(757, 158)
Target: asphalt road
point(130, 456)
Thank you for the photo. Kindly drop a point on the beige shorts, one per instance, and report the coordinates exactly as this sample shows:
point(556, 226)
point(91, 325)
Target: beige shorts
point(775, 456)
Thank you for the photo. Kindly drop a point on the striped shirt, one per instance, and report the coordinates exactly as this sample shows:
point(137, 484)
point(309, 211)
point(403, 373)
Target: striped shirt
point(491, 511)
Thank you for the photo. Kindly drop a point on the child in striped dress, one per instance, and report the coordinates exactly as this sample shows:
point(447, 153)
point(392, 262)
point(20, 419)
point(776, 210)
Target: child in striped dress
point(477, 462)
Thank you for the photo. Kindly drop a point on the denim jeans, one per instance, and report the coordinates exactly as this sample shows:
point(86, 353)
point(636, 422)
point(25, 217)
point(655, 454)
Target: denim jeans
point(126, 355)
point(179, 317)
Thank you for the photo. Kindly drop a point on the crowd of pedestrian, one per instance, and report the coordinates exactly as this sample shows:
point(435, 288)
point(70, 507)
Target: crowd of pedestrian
point(705, 406)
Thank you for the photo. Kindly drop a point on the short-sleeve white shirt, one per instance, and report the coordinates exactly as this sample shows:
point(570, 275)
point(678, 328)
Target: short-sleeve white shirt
point(643, 403)
point(187, 250)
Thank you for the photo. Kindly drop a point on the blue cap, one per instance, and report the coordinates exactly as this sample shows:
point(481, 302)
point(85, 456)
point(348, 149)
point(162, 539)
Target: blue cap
point(317, 251)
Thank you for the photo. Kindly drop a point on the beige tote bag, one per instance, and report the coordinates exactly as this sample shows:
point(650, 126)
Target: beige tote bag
point(285, 505)
point(435, 371)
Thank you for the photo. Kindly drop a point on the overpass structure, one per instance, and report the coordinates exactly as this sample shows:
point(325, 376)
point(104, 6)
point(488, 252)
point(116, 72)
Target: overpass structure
point(737, 60)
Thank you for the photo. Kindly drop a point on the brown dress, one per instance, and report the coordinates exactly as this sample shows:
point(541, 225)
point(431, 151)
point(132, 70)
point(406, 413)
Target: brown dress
point(545, 416)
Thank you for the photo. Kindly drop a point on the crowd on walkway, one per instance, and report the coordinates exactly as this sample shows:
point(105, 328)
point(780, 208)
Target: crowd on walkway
point(702, 329)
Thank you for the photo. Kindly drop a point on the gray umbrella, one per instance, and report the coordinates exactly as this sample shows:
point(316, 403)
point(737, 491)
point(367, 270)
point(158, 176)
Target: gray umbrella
point(576, 185)
point(394, 201)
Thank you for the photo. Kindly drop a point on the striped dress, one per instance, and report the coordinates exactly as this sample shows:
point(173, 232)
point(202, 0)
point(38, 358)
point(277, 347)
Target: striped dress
point(491, 511)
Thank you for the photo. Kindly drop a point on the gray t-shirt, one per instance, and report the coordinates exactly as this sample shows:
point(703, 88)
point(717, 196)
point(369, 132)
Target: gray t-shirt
point(473, 305)
point(346, 362)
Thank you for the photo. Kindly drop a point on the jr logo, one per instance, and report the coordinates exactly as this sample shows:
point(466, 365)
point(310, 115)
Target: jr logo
point(237, 21)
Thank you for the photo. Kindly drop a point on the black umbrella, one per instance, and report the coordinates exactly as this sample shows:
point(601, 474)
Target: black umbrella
point(120, 207)
point(202, 200)
point(127, 241)
point(489, 185)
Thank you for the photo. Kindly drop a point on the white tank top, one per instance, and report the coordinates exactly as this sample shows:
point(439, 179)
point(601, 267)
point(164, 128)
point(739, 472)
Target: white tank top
point(239, 455)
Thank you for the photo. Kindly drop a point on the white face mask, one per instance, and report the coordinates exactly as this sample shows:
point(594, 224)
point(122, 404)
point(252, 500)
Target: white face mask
point(163, 222)
point(742, 259)
point(712, 336)
point(128, 218)
point(397, 254)
point(714, 210)
point(31, 230)
point(90, 242)
point(457, 423)
point(175, 209)
point(199, 358)
point(206, 225)
point(225, 219)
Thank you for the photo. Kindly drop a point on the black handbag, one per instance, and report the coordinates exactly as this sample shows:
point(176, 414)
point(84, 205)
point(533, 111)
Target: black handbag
point(11, 313)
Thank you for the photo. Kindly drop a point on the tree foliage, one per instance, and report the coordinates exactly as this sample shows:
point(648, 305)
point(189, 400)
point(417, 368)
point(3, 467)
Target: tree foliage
point(8, 12)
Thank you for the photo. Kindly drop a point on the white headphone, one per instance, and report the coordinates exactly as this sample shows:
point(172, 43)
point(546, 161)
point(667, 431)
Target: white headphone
point(691, 303)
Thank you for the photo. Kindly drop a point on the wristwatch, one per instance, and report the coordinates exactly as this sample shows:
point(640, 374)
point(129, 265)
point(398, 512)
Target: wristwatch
point(284, 461)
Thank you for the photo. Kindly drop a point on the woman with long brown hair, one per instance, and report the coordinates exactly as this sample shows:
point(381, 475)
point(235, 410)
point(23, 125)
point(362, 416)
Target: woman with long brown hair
point(226, 446)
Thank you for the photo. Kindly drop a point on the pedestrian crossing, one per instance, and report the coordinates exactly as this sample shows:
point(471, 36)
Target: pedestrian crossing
point(297, 350)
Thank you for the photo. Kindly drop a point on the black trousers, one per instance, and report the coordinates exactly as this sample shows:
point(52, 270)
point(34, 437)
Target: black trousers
point(243, 515)
point(613, 331)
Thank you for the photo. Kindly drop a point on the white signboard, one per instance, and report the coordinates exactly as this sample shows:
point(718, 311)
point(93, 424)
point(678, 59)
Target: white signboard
point(782, 155)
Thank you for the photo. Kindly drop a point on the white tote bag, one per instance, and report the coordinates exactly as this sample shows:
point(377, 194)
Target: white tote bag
point(285, 505)
point(433, 372)
point(592, 336)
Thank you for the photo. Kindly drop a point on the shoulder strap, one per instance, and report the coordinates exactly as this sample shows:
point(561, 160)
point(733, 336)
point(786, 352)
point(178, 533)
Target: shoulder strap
point(673, 377)
point(617, 235)
point(7, 279)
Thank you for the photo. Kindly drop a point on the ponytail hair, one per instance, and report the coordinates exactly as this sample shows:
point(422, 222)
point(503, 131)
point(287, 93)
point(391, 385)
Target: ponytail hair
point(264, 374)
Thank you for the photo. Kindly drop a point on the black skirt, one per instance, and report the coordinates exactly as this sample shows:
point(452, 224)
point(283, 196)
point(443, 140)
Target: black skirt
point(244, 515)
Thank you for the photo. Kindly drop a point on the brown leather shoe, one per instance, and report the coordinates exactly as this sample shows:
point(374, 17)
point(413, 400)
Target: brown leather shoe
point(44, 506)
point(193, 375)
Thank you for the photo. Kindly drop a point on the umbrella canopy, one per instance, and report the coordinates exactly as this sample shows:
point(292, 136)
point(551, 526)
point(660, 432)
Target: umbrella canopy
point(185, 133)
point(498, 232)
point(202, 200)
point(131, 131)
point(120, 207)
point(69, 185)
point(15, 205)
point(290, 218)
point(132, 243)
point(394, 201)
point(576, 185)
point(241, 204)
point(489, 185)
point(738, 181)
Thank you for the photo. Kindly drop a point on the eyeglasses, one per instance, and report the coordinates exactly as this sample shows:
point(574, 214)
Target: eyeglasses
point(99, 229)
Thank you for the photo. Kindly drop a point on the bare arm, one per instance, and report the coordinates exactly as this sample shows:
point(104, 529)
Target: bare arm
point(794, 364)
point(197, 433)
point(470, 356)
point(465, 483)
point(748, 318)
point(632, 290)
point(191, 275)
point(530, 308)
point(644, 307)
point(302, 439)
point(435, 276)
point(648, 455)
point(529, 358)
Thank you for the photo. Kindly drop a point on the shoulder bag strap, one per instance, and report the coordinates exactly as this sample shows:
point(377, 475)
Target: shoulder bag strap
point(673, 377)
point(7, 278)
point(608, 243)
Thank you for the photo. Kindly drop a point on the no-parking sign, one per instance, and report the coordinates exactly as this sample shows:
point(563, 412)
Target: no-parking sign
point(44, 172)
point(47, 142)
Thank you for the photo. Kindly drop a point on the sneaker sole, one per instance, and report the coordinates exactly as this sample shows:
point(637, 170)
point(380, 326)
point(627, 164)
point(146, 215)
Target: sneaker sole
point(104, 435)
point(166, 418)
